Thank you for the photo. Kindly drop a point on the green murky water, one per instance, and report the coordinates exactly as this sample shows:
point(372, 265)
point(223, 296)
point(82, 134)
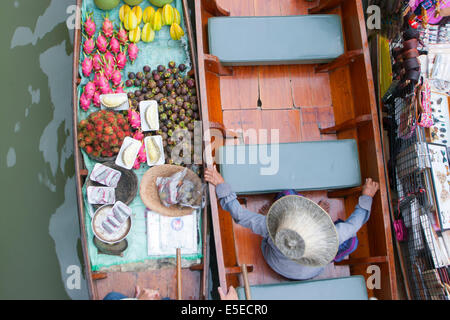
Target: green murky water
point(39, 231)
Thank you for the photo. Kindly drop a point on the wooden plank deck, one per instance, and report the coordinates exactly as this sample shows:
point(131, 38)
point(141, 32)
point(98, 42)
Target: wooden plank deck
point(290, 98)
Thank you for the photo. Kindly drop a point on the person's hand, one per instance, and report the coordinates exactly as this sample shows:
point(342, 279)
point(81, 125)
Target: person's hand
point(147, 294)
point(213, 177)
point(370, 188)
point(231, 294)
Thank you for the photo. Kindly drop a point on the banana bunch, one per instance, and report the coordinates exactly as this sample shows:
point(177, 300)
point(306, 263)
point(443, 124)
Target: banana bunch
point(153, 21)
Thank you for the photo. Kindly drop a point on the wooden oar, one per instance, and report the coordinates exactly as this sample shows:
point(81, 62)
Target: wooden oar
point(248, 294)
point(179, 293)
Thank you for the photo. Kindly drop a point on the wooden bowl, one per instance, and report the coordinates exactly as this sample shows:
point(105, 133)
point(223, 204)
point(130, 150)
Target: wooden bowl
point(149, 191)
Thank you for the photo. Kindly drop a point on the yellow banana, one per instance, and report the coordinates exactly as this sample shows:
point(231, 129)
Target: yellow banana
point(131, 21)
point(176, 32)
point(148, 35)
point(148, 14)
point(176, 16)
point(124, 10)
point(138, 12)
point(167, 15)
point(135, 35)
point(156, 21)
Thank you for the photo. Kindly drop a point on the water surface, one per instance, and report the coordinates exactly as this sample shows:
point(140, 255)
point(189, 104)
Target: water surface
point(39, 230)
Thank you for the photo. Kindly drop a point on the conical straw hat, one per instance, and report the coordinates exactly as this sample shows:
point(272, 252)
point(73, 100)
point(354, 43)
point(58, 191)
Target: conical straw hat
point(303, 231)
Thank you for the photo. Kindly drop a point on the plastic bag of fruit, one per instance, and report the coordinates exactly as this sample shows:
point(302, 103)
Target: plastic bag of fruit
point(176, 190)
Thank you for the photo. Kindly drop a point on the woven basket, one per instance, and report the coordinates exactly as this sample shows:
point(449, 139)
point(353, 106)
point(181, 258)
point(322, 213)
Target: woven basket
point(150, 196)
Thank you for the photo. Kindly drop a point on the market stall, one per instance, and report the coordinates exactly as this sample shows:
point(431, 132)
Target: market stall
point(413, 51)
point(140, 194)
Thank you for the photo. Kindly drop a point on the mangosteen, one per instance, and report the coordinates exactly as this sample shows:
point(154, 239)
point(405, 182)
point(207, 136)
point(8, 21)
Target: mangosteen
point(193, 99)
point(138, 93)
point(187, 105)
point(172, 64)
point(159, 96)
point(163, 101)
point(164, 90)
point(161, 68)
point(129, 83)
point(149, 76)
point(156, 77)
point(163, 116)
point(152, 84)
point(137, 83)
point(144, 90)
point(182, 67)
point(160, 109)
point(140, 98)
point(178, 91)
point(169, 86)
point(189, 113)
point(130, 95)
point(176, 108)
point(134, 103)
point(140, 75)
point(156, 90)
point(148, 96)
point(174, 71)
point(131, 75)
point(184, 90)
point(195, 107)
point(144, 82)
point(147, 69)
point(160, 83)
point(164, 135)
point(196, 115)
point(190, 83)
point(167, 74)
point(176, 84)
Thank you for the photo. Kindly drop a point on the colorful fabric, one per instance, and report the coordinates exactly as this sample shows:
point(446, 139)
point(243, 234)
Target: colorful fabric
point(426, 118)
point(430, 6)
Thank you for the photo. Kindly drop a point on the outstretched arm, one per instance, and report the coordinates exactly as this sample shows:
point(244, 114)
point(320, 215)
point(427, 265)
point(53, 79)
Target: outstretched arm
point(360, 216)
point(228, 200)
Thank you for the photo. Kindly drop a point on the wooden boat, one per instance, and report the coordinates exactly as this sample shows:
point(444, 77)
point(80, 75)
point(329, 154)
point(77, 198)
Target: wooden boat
point(194, 281)
point(305, 106)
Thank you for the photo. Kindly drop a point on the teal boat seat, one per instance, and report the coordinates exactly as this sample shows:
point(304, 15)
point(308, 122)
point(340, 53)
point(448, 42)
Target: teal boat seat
point(305, 166)
point(348, 288)
point(302, 39)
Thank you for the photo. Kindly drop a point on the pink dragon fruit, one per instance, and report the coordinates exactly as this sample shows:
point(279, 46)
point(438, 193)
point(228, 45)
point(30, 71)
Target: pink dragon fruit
point(108, 70)
point(116, 78)
point(134, 119)
point(89, 45)
point(85, 102)
point(108, 27)
point(96, 99)
point(89, 90)
point(97, 62)
point(142, 155)
point(119, 89)
point(122, 35)
point(100, 80)
point(109, 58)
point(87, 66)
point(133, 51)
point(114, 44)
point(89, 25)
point(102, 43)
point(121, 60)
point(106, 90)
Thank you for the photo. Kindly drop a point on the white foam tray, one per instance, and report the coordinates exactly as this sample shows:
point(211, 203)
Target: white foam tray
point(162, 159)
point(143, 107)
point(126, 143)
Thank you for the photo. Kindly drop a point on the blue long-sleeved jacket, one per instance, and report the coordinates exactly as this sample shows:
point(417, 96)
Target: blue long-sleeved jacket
point(274, 257)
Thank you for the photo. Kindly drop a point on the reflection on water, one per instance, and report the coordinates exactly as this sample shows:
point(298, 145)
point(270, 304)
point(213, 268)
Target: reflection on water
point(39, 231)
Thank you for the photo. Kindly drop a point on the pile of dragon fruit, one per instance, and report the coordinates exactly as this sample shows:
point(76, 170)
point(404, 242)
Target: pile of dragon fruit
point(105, 56)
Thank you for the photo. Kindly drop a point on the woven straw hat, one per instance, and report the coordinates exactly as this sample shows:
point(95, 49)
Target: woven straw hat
point(149, 192)
point(303, 231)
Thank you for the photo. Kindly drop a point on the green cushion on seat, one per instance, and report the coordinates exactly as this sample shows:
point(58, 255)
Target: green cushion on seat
point(306, 166)
point(349, 288)
point(303, 39)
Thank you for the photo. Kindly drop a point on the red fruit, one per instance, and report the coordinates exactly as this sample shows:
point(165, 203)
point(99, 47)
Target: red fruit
point(89, 127)
point(82, 144)
point(88, 140)
point(105, 145)
point(91, 134)
point(83, 123)
point(98, 148)
point(99, 129)
point(108, 131)
point(96, 154)
point(89, 149)
point(110, 119)
point(106, 138)
point(113, 136)
point(104, 153)
point(110, 154)
point(121, 135)
point(126, 127)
